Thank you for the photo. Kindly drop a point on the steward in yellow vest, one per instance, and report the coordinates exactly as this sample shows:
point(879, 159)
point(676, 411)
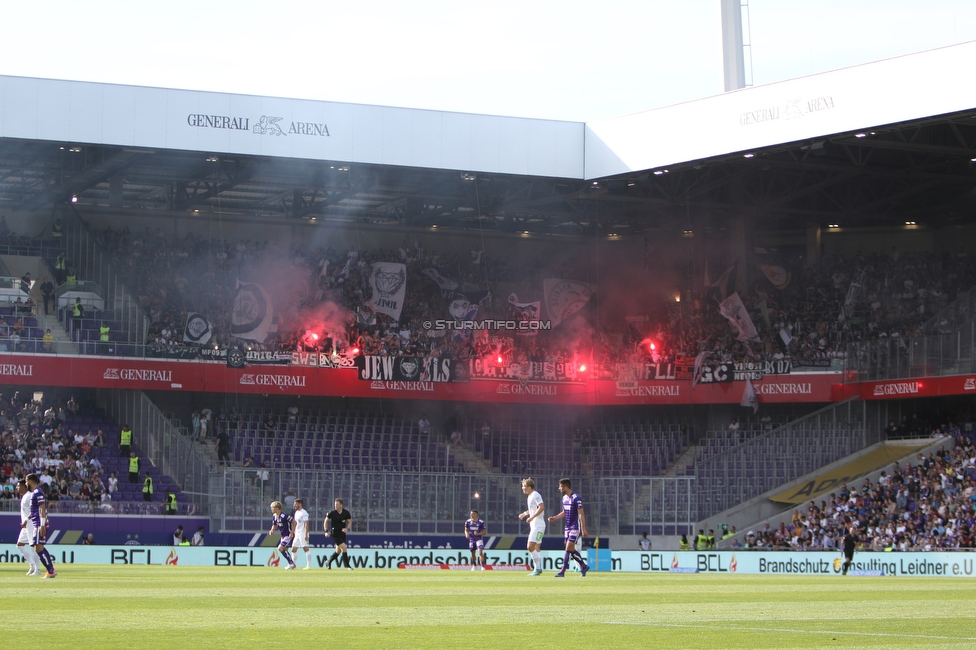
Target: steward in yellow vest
point(147, 488)
point(125, 441)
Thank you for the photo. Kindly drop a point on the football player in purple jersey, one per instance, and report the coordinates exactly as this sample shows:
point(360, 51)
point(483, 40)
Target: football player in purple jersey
point(575, 518)
point(474, 532)
point(38, 518)
point(284, 523)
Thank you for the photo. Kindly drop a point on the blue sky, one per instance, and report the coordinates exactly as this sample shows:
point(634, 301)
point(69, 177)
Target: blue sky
point(557, 60)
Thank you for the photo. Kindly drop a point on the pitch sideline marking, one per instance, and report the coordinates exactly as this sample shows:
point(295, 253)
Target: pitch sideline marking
point(795, 630)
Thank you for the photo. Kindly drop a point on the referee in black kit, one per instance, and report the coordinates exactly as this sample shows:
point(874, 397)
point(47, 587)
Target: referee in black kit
point(337, 524)
point(850, 543)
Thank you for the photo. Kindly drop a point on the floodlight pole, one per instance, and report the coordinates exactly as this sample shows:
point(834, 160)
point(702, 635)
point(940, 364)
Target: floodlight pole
point(733, 57)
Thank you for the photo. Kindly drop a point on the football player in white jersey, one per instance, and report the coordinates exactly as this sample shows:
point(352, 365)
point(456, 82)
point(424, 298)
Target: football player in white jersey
point(301, 534)
point(26, 528)
point(534, 515)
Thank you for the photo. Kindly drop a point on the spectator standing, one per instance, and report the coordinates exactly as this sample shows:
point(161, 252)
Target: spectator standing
point(223, 447)
point(644, 543)
point(423, 425)
point(270, 426)
point(60, 266)
point(47, 292)
point(263, 477)
point(197, 537)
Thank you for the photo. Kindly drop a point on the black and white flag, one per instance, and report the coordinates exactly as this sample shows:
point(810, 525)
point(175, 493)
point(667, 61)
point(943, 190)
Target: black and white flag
point(733, 309)
point(198, 329)
point(446, 284)
point(252, 314)
point(749, 397)
point(388, 281)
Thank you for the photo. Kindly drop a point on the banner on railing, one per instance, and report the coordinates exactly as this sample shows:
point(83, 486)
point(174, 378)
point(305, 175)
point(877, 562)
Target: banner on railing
point(251, 357)
point(486, 368)
point(915, 564)
point(412, 369)
point(786, 563)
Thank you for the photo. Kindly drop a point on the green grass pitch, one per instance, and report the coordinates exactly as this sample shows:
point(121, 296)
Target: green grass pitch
point(169, 607)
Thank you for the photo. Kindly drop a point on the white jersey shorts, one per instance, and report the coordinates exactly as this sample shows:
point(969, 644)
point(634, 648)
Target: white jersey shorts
point(27, 534)
point(299, 542)
point(537, 529)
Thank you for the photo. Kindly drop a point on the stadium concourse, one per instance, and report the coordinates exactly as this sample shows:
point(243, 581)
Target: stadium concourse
point(413, 310)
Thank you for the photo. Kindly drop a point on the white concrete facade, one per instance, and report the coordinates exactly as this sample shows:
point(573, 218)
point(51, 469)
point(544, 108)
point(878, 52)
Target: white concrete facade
point(860, 97)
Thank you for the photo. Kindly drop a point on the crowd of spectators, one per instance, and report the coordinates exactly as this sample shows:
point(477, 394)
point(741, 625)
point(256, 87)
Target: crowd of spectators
point(809, 321)
point(922, 506)
point(35, 440)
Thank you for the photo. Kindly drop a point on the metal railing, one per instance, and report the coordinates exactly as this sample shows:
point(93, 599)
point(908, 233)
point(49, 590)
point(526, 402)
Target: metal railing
point(416, 502)
point(954, 315)
point(931, 355)
point(92, 264)
point(160, 441)
point(78, 507)
point(784, 454)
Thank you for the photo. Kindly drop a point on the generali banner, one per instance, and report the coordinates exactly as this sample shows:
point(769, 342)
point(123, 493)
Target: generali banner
point(201, 376)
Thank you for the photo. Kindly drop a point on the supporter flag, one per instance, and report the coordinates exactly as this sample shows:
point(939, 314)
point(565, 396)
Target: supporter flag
point(749, 397)
point(252, 315)
point(778, 276)
point(699, 368)
point(365, 317)
point(725, 284)
point(388, 280)
point(853, 293)
point(524, 312)
point(733, 309)
point(564, 298)
point(446, 284)
point(463, 308)
point(198, 329)
point(785, 335)
point(764, 310)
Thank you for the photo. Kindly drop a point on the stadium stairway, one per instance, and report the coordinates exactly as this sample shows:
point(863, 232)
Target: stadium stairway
point(473, 463)
point(62, 341)
point(867, 463)
point(684, 461)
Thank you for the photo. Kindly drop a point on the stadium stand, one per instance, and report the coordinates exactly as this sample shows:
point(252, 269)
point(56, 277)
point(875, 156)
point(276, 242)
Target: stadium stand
point(351, 440)
point(76, 455)
point(621, 447)
point(897, 293)
point(926, 505)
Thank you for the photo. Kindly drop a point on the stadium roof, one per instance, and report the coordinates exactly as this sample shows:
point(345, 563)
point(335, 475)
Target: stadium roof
point(873, 144)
